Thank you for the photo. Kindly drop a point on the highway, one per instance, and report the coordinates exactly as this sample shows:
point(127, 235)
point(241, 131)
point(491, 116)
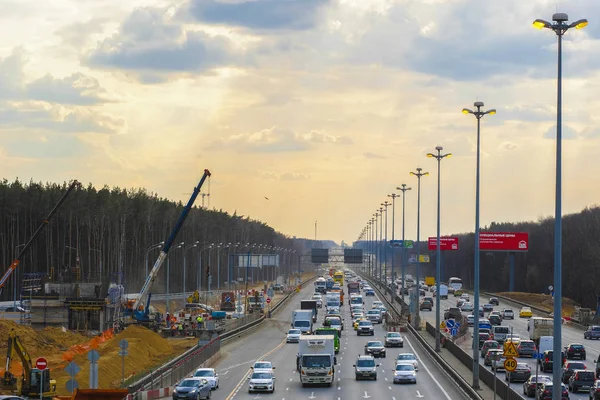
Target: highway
point(269, 342)
point(570, 335)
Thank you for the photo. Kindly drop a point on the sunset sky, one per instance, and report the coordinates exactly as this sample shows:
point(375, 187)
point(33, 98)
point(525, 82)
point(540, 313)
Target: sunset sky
point(323, 106)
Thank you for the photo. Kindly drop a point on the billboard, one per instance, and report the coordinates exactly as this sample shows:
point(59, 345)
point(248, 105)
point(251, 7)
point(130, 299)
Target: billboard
point(319, 256)
point(446, 243)
point(258, 260)
point(353, 256)
point(503, 241)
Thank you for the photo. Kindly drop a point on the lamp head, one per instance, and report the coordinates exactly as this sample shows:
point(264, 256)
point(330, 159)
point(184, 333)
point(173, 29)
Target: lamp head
point(540, 23)
point(478, 104)
point(430, 155)
point(467, 111)
point(439, 148)
point(579, 24)
point(419, 169)
point(560, 17)
point(491, 112)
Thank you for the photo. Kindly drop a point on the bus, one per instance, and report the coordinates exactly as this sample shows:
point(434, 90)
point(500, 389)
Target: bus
point(455, 283)
point(338, 277)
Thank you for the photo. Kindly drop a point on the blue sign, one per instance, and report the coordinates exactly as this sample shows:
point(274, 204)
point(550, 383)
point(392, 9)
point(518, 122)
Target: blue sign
point(72, 369)
point(402, 243)
point(538, 356)
point(450, 324)
point(453, 331)
point(227, 299)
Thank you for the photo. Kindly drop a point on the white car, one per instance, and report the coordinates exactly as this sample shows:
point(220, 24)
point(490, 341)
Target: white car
point(508, 314)
point(263, 366)
point(374, 316)
point(261, 381)
point(377, 303)
point(293, 336)
point(410, 358)
point(210, 375)
point(405, 372)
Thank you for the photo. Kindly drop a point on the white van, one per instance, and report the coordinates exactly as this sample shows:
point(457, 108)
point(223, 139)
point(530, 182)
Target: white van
point(546, 343)
point(499, 333)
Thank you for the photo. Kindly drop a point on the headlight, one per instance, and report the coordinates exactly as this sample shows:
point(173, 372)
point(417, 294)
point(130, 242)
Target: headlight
point(175, 390)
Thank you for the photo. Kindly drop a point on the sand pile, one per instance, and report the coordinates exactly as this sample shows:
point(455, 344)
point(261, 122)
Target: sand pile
point(146, 349)
point(543, 301)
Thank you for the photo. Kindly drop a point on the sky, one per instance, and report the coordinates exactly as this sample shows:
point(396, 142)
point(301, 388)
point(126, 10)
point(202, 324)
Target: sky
point(322, 106)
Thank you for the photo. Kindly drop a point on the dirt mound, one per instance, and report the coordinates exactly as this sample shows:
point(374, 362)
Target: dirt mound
point(146, 349)
point(544, 301)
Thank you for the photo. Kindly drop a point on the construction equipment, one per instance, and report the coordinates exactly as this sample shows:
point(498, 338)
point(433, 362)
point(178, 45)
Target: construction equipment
point(194, 297)
point(142, 314)
point(39, 230)
point(31, 378)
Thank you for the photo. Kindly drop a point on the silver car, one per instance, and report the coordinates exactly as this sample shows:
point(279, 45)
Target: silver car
point(365, 368)
point(293, 336)
point(374, 316)
point(261, 381)
point(405, 373)
point(393, 339)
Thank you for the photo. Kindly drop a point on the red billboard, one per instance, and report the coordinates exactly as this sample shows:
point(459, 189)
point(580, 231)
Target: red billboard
point(504, 241)
point(446, 243)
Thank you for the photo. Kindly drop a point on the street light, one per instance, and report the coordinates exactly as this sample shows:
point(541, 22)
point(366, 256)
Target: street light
point(386, 204)
point(380, 243)
point(15, 279)
point(376, 247)
point(195, 244)
point(179, 246)
point(560, 27)
point(438, 274)
point(149, 249)
point(403, 189)
point(393, 196)
point(418, 174)
point(478, 114)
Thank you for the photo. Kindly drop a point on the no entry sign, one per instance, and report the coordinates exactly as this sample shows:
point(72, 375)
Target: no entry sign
point(268, 300)
point(41, 363)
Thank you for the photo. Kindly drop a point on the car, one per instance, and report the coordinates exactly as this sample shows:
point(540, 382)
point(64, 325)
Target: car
point(189, 388)
point(383, 310)
point(369, 292)
point(488, 345)
point(513, 337)
point(394, 339)
point(261, 381)
point(485, 323)
point(581, 380)
point(495, 320)
point(374, 316)
point(377, 303)
point(569, 369)
point(545, 391)
point(465, 296)
point(293, 336)
point(525, 313)
point(365, 368)
point(375, 348)
point(430, 299)
point(457, 293)
point(575, 350)
point(533, 383)
point(410, 358)
point(453, 313)
point(491, 355)
point(507, 313)
point(426, 305)
point(494, 312)
point(470, 320)
point(521, 373)
point(356, 321)
point(547, 360)
point(595, 391)
point(526, 348)
point(405, 373)
point(592, 332)
point(365, 327)
point(263, 365)
point(488, 307)
point(467, 307)
point(483, 336)
point(494, 301)
point(210, 375)
point(333, 310)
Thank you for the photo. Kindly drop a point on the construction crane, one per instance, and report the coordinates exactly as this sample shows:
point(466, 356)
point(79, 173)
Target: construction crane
point(39, 230)
point(142, 314)
point(32, 377)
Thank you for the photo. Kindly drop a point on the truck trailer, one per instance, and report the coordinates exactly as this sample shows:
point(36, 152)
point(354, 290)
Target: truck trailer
point(316, 360)
point(303, 320)
point(310, 305)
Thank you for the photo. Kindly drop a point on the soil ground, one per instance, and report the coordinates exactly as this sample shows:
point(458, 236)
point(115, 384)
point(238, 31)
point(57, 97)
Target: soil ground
point(543, 301)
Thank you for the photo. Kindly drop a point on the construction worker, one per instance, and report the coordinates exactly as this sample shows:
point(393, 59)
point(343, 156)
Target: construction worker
point(200, 321)
point(168, 320)
point(180, 329)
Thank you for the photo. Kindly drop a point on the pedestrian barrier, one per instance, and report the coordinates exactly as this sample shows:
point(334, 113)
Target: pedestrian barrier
point(150, 394)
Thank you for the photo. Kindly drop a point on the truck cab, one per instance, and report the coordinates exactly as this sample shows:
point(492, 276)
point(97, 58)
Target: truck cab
point(316, 360)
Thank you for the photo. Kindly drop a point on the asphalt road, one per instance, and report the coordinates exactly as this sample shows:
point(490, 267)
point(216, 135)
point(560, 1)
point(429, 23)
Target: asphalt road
point(570, 335)
point(269, 343)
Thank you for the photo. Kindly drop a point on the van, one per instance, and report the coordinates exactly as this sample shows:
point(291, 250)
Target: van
point(546, 343)
point(499, 333)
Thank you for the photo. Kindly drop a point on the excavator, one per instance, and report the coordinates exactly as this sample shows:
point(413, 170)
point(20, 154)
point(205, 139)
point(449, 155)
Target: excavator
point(32, 379)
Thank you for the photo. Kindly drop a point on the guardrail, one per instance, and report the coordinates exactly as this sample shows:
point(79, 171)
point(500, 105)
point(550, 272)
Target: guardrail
point(455, 376)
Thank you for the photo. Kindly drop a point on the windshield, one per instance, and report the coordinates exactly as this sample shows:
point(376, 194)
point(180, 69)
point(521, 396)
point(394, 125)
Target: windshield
point(294, 331)
point(316, 361)
point(527, 344)
point(303, 324)
point(405, 357)
point(374, 344)
point(585, 376)
point(190, 383)
point(260, 365)
point(577, 365)
point(393, 334)
point(404, 367)
point(261, 375)
point(322, 332)
point(365, 363)
point(204, 373)
point(364, 323)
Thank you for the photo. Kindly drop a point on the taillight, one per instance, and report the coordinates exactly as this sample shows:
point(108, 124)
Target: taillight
point(546, 359)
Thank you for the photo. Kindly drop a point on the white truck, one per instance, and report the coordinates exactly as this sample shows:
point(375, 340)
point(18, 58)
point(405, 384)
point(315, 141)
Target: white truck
point(333, 300)
point(443, 292)
point(303, 320)
point(538, 327)
point(321, 285)
point(316, 360)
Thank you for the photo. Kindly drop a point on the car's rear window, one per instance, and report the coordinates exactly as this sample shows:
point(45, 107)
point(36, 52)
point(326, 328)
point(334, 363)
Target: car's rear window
point(596, 328)
point(577, 346)
point(501, 329)
point(576, 365)
point(585, 376)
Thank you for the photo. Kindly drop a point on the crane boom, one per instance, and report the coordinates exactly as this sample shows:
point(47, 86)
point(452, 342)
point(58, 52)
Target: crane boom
point(39, 230)
point(168, 243)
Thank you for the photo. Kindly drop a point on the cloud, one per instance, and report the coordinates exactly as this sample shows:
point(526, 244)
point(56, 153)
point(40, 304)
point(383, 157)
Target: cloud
point(149, 40)
point(372, 156)
point(276, 140)
point(567, 132)
point(262, 15)
point(285, 176)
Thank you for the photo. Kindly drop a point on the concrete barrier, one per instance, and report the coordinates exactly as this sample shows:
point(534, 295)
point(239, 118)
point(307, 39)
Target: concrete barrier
point(150, 394)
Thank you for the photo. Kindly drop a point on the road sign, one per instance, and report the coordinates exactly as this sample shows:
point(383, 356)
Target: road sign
point(450, 323)
point(446, 243)
point(510, 364)
point(443, 325)
point(538, 356)
point(72, 369)
point(407, 244)
point(123, 344)
point(268, 300)
point(227, 299)
point(504, 241)
point(510, 350)
point(71, 385)
point(453, 331)
point(41, 363)
point(123, 352)
point(93, 356)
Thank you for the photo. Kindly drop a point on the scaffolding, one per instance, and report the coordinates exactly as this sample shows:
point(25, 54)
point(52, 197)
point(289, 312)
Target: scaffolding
point(86, 314)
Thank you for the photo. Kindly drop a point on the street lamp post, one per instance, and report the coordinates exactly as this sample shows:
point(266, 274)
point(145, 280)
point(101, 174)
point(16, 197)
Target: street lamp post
point(15, 279)
point(418, 174)
point(438, 275)
point(376, 248)
point(179, 246)
point(478, 114)
point(403, 189)
point(380, 244)
point(386, 204)
point(149, 249)
point(195, 244)
point(199, 272)
point(393, 196)
point(560, 27)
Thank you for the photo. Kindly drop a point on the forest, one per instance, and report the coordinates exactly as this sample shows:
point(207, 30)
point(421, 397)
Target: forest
point(105, 235)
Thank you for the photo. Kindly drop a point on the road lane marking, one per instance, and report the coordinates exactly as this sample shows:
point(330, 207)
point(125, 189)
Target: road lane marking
point(389, 387)
point(366, 396)
point(245, 377)
point(236, 365)
point(429, 372)
point(419, 394)
point(312, 395)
